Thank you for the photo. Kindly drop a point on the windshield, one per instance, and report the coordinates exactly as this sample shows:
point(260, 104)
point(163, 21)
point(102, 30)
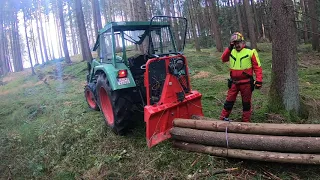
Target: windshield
point(170, 38)
point(131, 41)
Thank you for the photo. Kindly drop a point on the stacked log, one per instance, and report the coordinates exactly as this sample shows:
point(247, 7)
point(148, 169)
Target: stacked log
point(285, 143)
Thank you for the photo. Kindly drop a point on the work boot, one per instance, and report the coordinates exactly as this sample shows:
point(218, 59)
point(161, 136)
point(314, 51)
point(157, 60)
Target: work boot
point(224, 114)
point(246, 116)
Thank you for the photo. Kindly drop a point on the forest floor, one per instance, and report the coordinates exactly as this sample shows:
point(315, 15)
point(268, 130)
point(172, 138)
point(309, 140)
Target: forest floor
point(47, 130)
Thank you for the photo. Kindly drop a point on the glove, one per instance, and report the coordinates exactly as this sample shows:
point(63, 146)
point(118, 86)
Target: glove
point(257, 85)
point(231, 45)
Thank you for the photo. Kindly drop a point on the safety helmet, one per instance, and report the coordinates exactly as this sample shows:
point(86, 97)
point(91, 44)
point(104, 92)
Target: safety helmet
point(236, 37)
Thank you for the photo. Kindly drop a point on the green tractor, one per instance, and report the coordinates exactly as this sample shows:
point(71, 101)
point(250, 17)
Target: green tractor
point(140, 66)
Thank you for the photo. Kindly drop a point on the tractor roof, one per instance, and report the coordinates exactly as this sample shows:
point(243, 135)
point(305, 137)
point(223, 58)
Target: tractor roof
point(132, 25)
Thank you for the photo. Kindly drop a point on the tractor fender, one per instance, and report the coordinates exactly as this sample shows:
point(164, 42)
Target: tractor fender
point(112, 75)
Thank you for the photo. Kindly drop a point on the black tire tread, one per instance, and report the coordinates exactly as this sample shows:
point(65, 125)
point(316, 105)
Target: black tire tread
point(92, 88)
point(121, 104)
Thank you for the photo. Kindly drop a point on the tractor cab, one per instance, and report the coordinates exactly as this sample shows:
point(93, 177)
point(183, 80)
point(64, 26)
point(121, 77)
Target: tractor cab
point(140, 64)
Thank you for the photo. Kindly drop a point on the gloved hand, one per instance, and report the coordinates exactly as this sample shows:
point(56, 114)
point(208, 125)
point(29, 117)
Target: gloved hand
point(231, 45)
point(257, 84)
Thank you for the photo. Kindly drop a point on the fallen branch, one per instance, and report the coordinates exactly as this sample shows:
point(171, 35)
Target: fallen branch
point(250, 154)
point(219, 171)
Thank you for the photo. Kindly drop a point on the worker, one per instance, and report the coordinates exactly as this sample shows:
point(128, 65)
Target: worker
point(243, 62)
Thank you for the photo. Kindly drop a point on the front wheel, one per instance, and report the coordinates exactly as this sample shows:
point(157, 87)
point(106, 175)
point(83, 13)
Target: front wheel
point(90, 95)
point(115, 106)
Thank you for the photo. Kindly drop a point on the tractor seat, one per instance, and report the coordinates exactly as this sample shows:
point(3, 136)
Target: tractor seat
point(136, 62)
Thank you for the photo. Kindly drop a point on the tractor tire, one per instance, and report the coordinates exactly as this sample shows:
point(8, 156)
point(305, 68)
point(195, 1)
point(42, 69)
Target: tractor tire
point(115, 106)
point(91, 96)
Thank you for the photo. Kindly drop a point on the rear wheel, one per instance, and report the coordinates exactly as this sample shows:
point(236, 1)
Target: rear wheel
point(115, 106)
point(90, 94)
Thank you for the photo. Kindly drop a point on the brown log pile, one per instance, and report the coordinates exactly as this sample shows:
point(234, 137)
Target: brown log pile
point(285, 143)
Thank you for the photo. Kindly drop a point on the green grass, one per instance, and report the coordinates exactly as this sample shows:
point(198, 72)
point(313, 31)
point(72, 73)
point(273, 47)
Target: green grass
point(47, 130)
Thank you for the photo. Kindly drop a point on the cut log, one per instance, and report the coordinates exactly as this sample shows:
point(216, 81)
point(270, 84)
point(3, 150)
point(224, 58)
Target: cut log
point(250, 128)
point(248, 141)
point(250, 154)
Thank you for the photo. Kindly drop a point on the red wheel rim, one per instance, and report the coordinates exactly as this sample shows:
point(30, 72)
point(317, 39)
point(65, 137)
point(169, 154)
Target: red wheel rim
point(90, 98)
point(106, 106)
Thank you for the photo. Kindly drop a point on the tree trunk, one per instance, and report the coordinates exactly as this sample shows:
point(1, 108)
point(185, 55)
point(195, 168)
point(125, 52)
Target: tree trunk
point(130, 10)
point(27, 41)
point(196, 16)
point(254, 13)
point(142, 16)
point(248, 141)
point(267, 19)
point(239, 16)
point(57, 34)
point(39, 39)
point(63, 31)
point(252, 34)
point(149, 8)
point(17, 60)
point(51, 43)
point(251, 155)
point(284, 90)
point(95, 14)
point(97, 18)
point(9, 63)
point(104, 10)
point(304, 19)
point(73, 38)
point(86, 53)
point(250, 128)
point(3, 60)
point(43, 39)
point(166, 7)
point(142, 10)
point(312, 4)
point(34, 46)
point(194, 33)
point(215, 27)
point(178, 35)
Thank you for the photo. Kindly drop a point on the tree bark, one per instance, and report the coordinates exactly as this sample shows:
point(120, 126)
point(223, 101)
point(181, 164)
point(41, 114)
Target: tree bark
point(51, 43)
point(305, 28)
point(250, 128)
point(97, 18)
point(27, 41)
point(3, 60)
point(192, 24)
point(43, 39)
point(86, 53)
point(149, 8)
point(33, 43)
point(39, 38)
point(95, 14)
point(43, 42)
point(239, 16)
point(252, 34)
point(312, 4)
point(17, 61)
point(57, 34)
point(74, 40)
point(63, 31)
point(284, 90)
point(215, 27)
point(255, 16)
point(250, 154)
point(248, 141)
